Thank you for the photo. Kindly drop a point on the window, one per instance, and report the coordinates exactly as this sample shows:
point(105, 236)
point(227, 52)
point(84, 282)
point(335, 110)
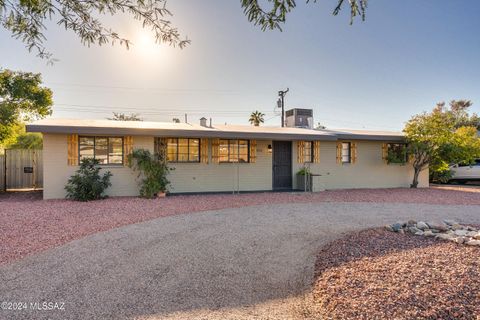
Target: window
point(234, 151)
point(307, 151)
point(107, 150)
point(183, 150)
point(346, 156)
point(396, 153)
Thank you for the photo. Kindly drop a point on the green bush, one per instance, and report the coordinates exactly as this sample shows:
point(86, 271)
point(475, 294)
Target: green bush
point(441, 176)
point(303, 172)
point(87, 184)
point(153, 169)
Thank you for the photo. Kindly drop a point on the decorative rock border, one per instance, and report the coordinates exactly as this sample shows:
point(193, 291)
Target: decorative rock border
point(449, 230)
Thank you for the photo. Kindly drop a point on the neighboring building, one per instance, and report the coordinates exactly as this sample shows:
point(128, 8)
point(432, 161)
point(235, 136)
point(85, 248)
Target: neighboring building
point(222, 158)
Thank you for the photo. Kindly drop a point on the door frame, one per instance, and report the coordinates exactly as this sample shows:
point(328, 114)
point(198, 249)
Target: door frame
point(273, 166)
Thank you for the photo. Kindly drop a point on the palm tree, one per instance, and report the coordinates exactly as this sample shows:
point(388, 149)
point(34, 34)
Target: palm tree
point(256, 118)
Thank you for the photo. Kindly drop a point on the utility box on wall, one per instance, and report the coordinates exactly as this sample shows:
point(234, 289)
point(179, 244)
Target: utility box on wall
point(299, 118)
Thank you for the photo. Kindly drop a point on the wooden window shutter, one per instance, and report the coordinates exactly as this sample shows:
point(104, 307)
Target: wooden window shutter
point(204, 151)
point(316, 151)
point(216, 151)
point(339, 152)
point(253, 151)
point(385, 152)
point(353, 152)
point(72, 147)
point(127, 148)
point(300, 151)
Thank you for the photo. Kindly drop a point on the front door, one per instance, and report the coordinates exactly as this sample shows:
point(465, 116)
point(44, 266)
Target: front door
point(282, 165)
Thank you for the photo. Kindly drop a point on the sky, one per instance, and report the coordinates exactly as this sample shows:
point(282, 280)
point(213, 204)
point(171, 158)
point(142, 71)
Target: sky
point(407, 56)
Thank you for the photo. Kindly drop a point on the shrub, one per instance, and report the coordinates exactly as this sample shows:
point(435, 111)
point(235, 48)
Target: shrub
point(87, 184)
point(153, 169)
point(303, 171)
point(441, 176)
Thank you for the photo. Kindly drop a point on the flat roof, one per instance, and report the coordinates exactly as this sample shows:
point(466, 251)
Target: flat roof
point(169, 129)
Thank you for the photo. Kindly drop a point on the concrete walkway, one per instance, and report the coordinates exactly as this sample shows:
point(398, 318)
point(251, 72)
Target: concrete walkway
point(243, 263)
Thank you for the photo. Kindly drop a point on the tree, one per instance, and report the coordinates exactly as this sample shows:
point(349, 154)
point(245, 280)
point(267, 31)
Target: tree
point(435, 141)
point(176, 120)
point(459, 111)
point(118, 116)
point(26, 20)
point(22, 98)
point(256, 118)
point(28, 140)
point(319, 126)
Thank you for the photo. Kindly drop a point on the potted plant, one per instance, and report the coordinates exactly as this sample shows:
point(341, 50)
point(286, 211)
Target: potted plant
point(304, 182)
point(153, 170)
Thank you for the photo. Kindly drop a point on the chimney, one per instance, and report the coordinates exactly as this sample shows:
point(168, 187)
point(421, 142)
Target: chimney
point(203, 121)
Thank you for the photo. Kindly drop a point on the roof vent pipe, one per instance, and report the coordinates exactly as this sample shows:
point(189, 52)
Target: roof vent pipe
point(210, 122)
point(203, 121)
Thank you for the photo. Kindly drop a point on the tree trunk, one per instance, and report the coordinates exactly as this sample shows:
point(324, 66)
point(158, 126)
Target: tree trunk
point(415, 177)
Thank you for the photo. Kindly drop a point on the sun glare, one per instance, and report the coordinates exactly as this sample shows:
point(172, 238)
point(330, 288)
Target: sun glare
point(144, 44)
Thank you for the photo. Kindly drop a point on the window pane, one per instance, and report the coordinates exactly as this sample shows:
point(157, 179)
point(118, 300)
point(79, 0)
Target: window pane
point(397, 153)
point(307, 152)
point(182, 150)
point(86, 147)
point(194, 150)
point(101, 150)
point(243, 151)
point(223, 151)
point(172, 150)
point(115, 150)
point(233, 149)
point(346, 152)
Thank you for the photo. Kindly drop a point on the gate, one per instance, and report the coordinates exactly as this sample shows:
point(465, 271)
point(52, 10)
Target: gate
point(22, 169)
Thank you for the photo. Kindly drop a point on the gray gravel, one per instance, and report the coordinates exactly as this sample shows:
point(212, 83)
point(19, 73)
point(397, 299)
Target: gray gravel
point(242, 263)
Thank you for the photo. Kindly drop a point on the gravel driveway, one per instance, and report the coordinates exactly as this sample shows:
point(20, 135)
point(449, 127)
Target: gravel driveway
point(240, 263)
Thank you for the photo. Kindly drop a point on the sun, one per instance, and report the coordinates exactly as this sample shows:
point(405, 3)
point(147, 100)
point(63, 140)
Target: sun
point(144, 44)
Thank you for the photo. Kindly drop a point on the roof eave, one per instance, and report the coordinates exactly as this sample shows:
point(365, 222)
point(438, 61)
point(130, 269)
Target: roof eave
point(177, 133)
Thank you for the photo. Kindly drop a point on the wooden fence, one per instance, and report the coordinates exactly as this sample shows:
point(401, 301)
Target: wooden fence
point(21, 169)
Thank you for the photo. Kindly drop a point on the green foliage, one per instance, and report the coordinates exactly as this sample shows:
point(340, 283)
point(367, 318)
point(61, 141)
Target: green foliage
point(397, 156)
point(21, 99)
point(303, 171)
point(459, 112)
point(152, 169)
point(435, 140)
point(276, 15)
point(30, 140)
point(441, 176)
point(27, 20)
point(87, 184)
point(256, 118)
point(117, 116)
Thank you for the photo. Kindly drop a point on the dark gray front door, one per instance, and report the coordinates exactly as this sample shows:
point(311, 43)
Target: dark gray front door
point(282, 165)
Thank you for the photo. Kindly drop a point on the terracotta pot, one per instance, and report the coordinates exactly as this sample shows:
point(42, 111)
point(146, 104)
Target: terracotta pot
point(161, 194)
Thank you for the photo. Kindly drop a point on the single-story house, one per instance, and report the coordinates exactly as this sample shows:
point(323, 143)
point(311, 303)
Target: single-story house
point(224, 158)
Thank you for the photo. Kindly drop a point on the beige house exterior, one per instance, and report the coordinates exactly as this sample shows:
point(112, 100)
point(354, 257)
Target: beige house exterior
point(367, 166)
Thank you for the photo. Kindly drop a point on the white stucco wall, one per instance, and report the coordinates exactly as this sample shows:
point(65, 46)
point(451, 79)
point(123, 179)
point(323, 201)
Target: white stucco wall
point(211, 177)
point(369, 171)
point(57, 171)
